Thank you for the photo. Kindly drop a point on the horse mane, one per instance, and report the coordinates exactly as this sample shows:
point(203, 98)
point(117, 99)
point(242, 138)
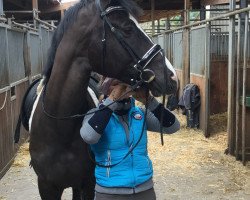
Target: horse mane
point(69, 18)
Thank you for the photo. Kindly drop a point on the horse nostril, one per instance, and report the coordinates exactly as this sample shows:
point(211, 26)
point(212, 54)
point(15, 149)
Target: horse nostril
point(175, 78)
point(171, 74)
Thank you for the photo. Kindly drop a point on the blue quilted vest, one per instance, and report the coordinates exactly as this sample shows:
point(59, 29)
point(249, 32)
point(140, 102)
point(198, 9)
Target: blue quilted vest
point(114, 145)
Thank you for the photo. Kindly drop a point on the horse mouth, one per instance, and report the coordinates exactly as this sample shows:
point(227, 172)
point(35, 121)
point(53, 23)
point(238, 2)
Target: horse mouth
point(157, 90)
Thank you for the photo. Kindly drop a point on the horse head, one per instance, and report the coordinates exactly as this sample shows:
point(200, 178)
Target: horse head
point(125, 51)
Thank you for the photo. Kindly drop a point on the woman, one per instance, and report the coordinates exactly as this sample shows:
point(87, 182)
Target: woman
point(123, 169)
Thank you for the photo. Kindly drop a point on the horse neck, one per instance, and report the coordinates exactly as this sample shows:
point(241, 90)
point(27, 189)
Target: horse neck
point(66, 90)
point(67, 86)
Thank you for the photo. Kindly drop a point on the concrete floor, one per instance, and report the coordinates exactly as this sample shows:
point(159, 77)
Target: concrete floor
point(187, 167)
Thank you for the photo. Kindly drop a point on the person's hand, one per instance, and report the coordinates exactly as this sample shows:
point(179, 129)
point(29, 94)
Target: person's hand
point(141, 94)
point(118, 91)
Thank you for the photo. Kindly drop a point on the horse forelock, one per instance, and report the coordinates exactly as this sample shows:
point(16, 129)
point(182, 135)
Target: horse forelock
point(131, 7)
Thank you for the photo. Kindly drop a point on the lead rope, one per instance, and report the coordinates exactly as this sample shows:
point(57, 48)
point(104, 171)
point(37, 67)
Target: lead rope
point(4, 101)
point(103, 46)
point(163, 103)
point(162, 113)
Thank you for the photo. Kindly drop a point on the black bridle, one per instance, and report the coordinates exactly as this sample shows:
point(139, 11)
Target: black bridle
point(143, 74)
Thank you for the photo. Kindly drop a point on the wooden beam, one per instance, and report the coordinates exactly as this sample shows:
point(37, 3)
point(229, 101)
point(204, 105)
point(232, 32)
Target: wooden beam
point(58, 7)
point(160, 14)
point(20, 4)
point(62, 13)
point(215, 2)
point(163, 5)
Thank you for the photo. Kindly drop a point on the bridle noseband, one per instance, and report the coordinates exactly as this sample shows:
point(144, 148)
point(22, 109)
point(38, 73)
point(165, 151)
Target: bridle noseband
point(143, 74)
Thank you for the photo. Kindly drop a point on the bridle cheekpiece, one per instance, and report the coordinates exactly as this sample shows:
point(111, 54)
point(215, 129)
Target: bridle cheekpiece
point(143, 74)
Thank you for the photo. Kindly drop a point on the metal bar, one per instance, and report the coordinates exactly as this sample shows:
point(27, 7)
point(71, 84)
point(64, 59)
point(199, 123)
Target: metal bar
point(243, 4)
point(207, 78)
point(7, 55)
point(195, 20)
point(2, 19)
point(1, 7)
point(244, 92)
point(186, 44)
point(237, 121)
point(27, 55)
point(45, 23)
point(20, 11)
point(23, 26)
point(213, 9)
point(19, 82)
point(152, 16)
point(208, 20)
point(231, 62)
point(4, 89)
point(36, 77)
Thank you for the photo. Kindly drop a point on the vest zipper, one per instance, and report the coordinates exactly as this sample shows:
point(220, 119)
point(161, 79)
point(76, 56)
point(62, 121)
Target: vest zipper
point(132, 156)
point(126, 131)
point(133, 174)
point(108, 163)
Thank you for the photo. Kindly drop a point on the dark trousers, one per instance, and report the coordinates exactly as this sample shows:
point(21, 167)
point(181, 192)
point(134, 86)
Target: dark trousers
point(145, 195)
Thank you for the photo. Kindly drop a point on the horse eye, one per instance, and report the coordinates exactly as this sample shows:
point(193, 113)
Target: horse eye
point(128, 30)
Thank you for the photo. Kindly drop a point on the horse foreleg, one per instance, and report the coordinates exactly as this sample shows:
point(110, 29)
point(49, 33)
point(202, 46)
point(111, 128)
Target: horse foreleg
point(77, 194)
point(48, 191)
point(89, 189)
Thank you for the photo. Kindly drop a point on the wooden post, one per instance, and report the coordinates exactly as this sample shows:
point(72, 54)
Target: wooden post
point(244, 84)
point(237, 118)
point(231, 93)
point(203, 13)
point(35, 8)
point(186, 50)
point(167, 24)
point(243, 4)
point(35, 4)
point(1, 7)
point(62, 13)
point(158, 26)
point(152, 16)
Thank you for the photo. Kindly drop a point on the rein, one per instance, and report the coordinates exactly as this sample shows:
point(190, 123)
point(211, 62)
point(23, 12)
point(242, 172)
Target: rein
point(83, 115)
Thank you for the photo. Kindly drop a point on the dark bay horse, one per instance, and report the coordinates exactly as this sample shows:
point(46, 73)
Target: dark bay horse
point(95, 35)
